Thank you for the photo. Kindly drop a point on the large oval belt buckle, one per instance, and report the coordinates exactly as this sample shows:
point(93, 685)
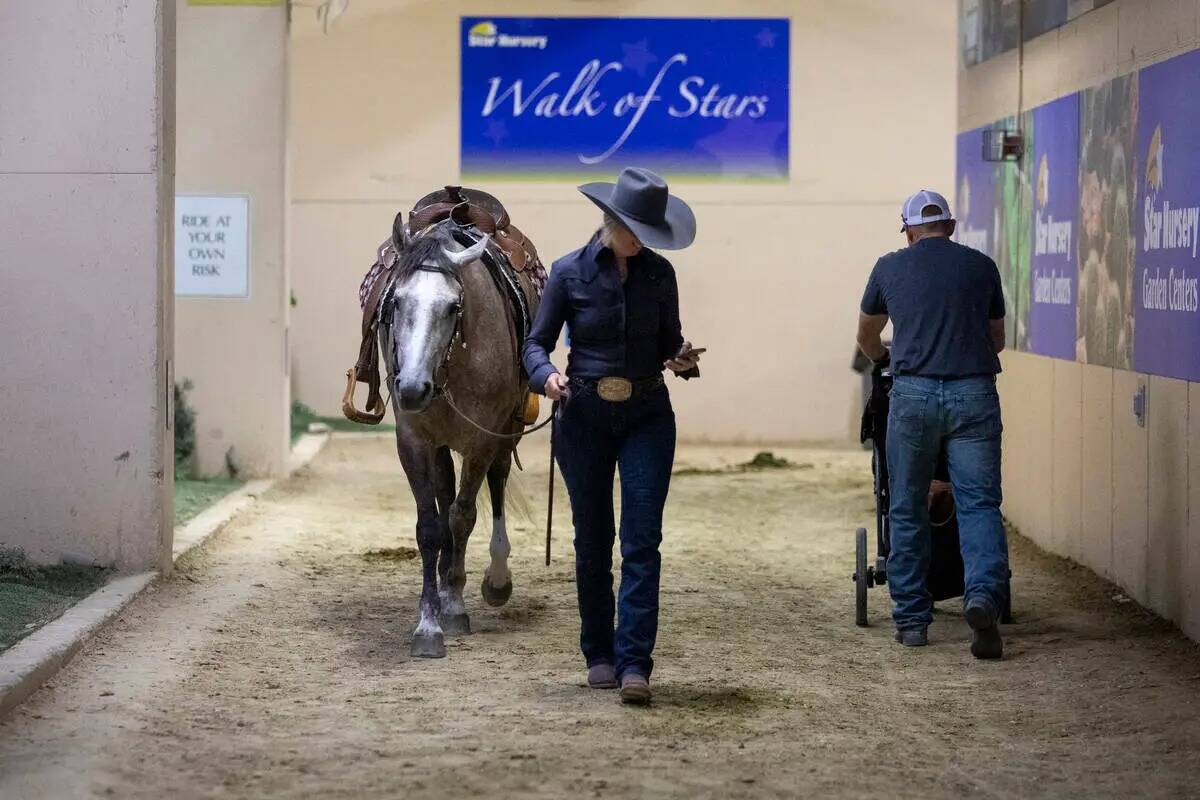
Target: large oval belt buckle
point(615, 390)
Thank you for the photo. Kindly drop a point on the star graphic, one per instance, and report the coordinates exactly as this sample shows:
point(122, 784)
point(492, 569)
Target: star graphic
point(766, 38)
point(744, 137)
point(497, 131)
point(638, 56)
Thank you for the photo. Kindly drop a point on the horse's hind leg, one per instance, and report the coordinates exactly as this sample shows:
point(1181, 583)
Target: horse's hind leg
point(497, 580)
point(418, 461)
point(462, 521)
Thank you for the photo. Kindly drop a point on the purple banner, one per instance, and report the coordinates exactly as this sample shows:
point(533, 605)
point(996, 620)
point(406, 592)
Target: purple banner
point(974, 203)
point(1166, 298)
point(1054, 137)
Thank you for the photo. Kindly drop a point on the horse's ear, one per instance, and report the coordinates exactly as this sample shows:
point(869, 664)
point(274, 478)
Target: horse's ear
point(398, 237)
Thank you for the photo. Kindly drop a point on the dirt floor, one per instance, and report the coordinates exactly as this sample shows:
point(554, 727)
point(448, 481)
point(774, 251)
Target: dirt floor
point(275, 664)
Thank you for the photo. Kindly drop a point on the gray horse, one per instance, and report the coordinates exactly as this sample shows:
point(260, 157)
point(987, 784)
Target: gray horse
point(449, 343)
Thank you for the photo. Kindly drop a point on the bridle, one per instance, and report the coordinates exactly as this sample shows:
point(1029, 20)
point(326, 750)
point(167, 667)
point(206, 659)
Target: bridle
point(441, 374)
point(439, 385)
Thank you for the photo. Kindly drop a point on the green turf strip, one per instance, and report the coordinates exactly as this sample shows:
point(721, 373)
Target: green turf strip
point(192, 497)
point(32, 596)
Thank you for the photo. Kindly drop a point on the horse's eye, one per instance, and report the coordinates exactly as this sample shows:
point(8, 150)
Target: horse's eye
point(453, 308)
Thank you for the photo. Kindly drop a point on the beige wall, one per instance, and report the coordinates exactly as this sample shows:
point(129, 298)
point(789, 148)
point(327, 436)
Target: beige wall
point(773, 283)
point(1081, 477)
point(232, 89)
point(86, 145)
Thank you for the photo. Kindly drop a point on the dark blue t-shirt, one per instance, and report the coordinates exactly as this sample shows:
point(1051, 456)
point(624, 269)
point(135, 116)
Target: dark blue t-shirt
point(940, 297)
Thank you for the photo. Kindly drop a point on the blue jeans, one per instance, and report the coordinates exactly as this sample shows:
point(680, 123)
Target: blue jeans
point(963, 417)
point(595, 437)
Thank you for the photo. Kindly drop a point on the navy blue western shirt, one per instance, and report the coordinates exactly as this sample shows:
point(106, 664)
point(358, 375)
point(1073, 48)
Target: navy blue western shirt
point(626, 330)
point(941, 297)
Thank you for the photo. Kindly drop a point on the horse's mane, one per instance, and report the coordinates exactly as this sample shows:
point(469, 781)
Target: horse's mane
point(420, 251)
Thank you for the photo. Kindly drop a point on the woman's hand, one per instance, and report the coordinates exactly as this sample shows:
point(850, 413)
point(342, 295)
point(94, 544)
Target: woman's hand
point(684, 360)
point(557, 387)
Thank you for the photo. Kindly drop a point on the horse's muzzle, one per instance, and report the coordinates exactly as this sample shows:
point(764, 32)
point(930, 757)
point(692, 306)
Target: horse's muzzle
point(414, 397)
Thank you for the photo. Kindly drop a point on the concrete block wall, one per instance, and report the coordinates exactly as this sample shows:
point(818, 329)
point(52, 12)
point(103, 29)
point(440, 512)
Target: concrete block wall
point(231, 111)
point(86, 181)
point(1081, 476)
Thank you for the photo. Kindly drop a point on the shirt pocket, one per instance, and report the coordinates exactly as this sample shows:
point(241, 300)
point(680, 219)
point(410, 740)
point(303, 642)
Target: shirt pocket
point(594, 317)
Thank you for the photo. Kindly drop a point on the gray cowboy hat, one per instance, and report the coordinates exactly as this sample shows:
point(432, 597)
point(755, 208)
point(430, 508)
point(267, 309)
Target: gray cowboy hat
point(640, 200)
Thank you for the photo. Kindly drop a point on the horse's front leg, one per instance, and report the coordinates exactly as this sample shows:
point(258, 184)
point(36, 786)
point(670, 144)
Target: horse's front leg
point(462, 522)
point(444, 483)
point(497, 580)
point(419, 462)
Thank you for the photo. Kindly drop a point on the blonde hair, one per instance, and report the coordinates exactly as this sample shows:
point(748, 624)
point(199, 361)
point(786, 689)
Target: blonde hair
point(608, 228)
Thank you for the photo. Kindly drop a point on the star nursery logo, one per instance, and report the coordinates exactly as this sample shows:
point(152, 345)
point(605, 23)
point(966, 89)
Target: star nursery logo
point(1043, 181)
point(1165, 226)
point(1051, 237)
point(1154, 162)
point(485, 34)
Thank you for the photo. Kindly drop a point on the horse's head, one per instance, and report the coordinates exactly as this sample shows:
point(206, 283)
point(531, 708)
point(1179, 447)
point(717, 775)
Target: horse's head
point(426, 307)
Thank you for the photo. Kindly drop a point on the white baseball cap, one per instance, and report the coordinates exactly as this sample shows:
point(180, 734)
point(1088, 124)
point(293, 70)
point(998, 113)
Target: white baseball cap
point(910, 213)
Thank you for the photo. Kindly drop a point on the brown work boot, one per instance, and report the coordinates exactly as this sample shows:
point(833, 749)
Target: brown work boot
point(602, 676)
point(635, 689)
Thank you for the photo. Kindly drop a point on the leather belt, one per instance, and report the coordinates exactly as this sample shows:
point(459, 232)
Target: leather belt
point(616, 389)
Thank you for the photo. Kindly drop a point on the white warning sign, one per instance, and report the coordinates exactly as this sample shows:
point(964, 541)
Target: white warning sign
point(212, 246)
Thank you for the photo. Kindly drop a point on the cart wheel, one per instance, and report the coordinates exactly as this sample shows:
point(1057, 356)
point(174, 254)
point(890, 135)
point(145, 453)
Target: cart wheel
point(860, 577)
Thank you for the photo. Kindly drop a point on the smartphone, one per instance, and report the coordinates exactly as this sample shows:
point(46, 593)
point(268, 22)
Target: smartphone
point(695, 351)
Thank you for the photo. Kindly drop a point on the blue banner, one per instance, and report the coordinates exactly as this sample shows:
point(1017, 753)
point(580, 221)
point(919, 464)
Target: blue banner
point(1053, 136)
point(574, 98)
point(1166, 291)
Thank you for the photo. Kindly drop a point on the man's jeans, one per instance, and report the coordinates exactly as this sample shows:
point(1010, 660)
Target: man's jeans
point(962, 416)
point(595, 436)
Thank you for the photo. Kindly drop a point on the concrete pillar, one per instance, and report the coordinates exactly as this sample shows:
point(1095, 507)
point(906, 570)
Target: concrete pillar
point(86, 186)
point(232, 86)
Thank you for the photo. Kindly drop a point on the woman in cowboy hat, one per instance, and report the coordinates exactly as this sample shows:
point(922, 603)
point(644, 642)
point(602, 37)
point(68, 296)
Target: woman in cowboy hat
point(620, 302)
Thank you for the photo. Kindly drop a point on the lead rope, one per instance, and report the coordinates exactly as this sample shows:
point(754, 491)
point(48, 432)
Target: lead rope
point(550, 493)
point(445, 395)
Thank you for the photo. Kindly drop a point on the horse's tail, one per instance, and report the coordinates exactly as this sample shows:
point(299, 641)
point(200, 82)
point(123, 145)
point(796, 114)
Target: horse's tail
point(516, 501)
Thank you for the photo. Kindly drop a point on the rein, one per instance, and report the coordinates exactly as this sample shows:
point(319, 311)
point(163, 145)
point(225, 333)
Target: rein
point(445, 395)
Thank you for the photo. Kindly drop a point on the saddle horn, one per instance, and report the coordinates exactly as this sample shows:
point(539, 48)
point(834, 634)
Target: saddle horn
point(468, 255)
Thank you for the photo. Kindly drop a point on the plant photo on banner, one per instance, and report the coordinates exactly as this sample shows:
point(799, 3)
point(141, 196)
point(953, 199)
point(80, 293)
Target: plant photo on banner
point(1166, 297)
point(574, 98)
point(1107, 197)
point(1014, 199)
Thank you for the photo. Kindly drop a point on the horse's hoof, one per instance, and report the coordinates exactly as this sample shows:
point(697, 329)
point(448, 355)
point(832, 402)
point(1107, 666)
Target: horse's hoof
point(456, 624)
point(428, 645)
point(492, 595)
